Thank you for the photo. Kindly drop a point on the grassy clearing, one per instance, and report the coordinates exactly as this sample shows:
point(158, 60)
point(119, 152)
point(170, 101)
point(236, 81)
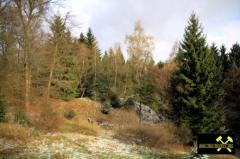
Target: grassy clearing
point(125, 124)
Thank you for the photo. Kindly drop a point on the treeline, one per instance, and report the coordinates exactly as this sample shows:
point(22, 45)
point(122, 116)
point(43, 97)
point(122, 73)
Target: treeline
point(55, 64)
point(198, 86)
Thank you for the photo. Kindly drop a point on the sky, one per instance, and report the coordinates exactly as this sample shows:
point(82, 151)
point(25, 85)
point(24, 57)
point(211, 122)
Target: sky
point(165, 20)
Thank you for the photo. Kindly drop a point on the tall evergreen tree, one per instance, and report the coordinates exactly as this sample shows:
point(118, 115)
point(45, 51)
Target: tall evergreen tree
point(232, 90)
point(232, 99)
point(196, 97)
point(119, 70)
point(94, 57)
point(65, 78)
point(223, 59)
point(234, 55)
point(219, 63)
point(215, 52)
point(82, 39)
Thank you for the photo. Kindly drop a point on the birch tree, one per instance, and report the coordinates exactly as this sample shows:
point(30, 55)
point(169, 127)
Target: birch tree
point(139, 48)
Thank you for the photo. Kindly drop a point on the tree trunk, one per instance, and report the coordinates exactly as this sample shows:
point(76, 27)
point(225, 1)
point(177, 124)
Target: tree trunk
point(116, 72)
point(95, 72)
point(51, 72)
point(27, 70)
point(140, 113)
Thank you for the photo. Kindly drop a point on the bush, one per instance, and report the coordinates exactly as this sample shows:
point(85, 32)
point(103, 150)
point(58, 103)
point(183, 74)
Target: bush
point(106, 109)
point(129, 102)
point(115, 101)
point(21, 118)
point(70, 114)
point(2, 112)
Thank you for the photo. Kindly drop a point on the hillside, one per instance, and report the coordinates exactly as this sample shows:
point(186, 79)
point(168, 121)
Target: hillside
point(85, 135)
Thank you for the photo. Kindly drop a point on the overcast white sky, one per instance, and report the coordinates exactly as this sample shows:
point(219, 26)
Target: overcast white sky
point(165, 20)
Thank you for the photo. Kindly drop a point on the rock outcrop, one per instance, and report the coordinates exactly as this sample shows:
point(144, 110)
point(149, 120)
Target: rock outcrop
point(146, 113)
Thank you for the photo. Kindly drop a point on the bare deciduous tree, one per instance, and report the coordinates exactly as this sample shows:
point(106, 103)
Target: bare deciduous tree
point(29, 12)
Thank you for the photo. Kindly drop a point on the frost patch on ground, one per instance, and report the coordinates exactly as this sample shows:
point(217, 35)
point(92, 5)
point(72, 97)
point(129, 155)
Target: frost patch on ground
point(78, 146)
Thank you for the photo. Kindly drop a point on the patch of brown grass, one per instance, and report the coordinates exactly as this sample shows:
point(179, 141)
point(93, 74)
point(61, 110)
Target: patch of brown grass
point(223, 157)
point(81, 126)
point(127, 126)
point(154, 135)
point(48, 119)
point(83, 107)
point(14, 132)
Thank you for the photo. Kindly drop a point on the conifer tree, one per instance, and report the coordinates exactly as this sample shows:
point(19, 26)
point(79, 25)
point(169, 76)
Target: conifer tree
point(223, 59)
point(232, 99)
point(232, 90)
point(65, 79)
point(234, 55)
point(82, 38)
point(119, 70)
point(219, 64)
point(195, 86)
point(215, 53)
point(94, 58)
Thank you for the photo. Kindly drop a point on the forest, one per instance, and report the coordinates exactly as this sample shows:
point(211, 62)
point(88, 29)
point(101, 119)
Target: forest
point(197, 89)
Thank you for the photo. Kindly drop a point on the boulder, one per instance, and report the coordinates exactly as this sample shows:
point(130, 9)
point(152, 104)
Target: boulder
point(146, 113)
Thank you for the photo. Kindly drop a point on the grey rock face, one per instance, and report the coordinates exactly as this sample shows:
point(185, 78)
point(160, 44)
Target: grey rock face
point(146, 113)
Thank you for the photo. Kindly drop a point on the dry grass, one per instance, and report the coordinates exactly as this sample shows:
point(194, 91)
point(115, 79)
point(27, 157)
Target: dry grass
point(81, 126)
point(160, 135)
point(85, 109)
point(223, 157)
point(47, 120)
point(14, 132)
point(51, 118)
point(155, 135)
point(125, 124)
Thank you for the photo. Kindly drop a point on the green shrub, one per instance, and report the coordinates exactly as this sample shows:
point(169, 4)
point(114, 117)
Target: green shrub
point(106, 109)
point(129, 103)
point(70, 114)
point(21, 118)
point(2, 112)
point(115, 101)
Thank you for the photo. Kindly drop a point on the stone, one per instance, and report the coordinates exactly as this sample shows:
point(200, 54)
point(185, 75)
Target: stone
point(146, 113)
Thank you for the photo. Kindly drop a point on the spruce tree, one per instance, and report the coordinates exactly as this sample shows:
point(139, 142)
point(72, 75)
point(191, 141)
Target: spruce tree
point(232, 90)
point(219, 63)
point(82, 39)
point(195, 85)
point(223, 59)
point(234, 55)
point(232, 99)
point(65, 79)
point(94, 57)
point(215, 52)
